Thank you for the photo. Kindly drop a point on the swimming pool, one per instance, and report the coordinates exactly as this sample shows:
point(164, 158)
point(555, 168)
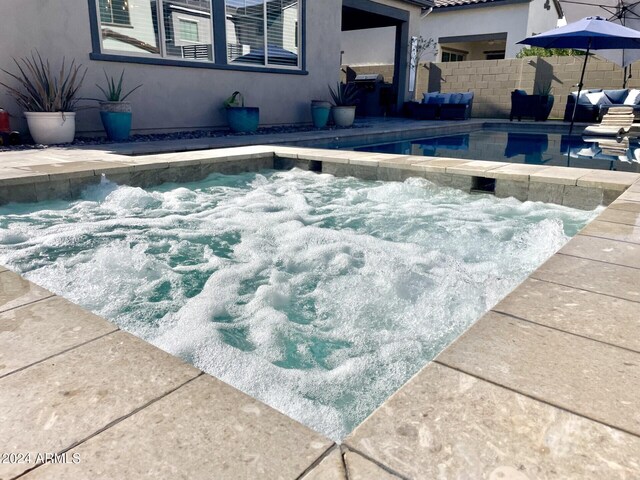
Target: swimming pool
point(535, 148)
point(317, 295)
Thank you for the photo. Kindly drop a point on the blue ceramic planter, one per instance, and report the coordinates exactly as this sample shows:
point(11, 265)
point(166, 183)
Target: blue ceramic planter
point(117, 125)
point(243, 119)
point(320, 115)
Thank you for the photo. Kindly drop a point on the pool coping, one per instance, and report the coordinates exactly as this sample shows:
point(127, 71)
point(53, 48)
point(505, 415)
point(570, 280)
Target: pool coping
point(383, 443)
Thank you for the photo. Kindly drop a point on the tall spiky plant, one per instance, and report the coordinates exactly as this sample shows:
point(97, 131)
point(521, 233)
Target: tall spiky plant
point(41, 90)
point(113, 92)
point(345, 94)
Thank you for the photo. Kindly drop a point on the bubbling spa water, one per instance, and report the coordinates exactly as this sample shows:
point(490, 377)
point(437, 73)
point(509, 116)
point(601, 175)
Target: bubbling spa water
point(318, 295)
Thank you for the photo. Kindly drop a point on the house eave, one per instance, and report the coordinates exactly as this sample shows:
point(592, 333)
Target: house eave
point(421, 3)
point(451, 8)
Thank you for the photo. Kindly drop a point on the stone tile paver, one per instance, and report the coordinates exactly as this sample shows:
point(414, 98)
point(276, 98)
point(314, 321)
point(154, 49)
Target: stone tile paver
point(620, 216)
point(406, 162)
point(590, 378)
point(204, 430)
point(66, 169)
point(561, 175)
point(630, 195)
point(614, 231)
point(516, 171)
point(14, 175)
point(628, 205)
point(39, 330)
point(439, 164)
point(597, 277)
point(359, 468)
point(576, 311)
point(330, 468)
point(611, 180)
point(604, 249)
point(474, 167)
point(16, 291)
point(54, 404)
point(444, 424)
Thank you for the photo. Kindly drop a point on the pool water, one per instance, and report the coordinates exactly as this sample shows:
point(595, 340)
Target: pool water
point(317, 295)
point(518, 147)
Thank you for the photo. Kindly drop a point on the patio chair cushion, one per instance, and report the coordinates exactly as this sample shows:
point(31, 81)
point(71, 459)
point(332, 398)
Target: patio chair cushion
point(633, 98)
point(598, 98)
point(444, 98)
point(456, 98)
point(584, 100)
point(426, 97)
point(616, 96)
point(467, 97)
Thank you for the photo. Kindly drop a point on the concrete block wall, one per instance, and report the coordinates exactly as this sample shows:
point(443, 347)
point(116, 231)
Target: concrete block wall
point(491, 80)
point(494, 80)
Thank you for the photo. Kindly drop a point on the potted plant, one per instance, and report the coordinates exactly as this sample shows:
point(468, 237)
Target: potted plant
point(320, 111)
point(546, 101)
point(115, 113)
point(48, 100)
point(344, 104)
point(241, 119)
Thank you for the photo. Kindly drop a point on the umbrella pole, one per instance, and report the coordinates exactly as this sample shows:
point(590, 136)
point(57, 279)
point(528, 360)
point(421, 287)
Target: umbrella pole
point(575, 105)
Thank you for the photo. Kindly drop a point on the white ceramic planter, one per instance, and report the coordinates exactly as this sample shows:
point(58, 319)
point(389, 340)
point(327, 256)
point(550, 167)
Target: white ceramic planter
point(344, 116)
point(50, 128)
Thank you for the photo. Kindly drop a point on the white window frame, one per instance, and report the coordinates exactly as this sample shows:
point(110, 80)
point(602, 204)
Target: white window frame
point(182, 20)
point(115, 24)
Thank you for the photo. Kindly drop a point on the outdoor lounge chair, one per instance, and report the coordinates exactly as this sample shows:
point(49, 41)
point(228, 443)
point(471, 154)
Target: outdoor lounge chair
point(616, 122)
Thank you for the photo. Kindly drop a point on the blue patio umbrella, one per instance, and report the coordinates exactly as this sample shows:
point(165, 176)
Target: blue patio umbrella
point(590, 33)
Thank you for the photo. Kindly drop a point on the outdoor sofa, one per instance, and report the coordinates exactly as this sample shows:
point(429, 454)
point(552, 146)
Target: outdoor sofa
point(442, 106)
point(594, 103)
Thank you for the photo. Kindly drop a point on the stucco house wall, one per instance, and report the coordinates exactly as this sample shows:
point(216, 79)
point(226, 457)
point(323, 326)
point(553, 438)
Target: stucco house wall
point(510, 19)
point(517, 20)
point(175, 97)
point(541, 19)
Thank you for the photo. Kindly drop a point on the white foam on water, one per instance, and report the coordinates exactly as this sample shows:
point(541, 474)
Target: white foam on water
point(319, 296)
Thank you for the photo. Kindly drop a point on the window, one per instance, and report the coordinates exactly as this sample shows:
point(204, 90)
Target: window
point(188, 30)
point(162, 28)
point(494, 55)
point(115, 12)
point(263, 32)
point(452, 56)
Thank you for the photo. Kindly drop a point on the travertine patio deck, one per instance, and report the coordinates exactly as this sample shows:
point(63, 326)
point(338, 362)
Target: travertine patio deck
point(546, 385)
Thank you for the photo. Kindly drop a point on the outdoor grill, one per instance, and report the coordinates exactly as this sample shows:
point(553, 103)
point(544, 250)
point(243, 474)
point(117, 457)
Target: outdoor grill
point(374, 95)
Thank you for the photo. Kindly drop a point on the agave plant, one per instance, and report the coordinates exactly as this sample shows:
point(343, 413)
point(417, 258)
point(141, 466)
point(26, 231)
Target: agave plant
point(113, 92)
point(345, 94)
point(40, 90)
point(234, 101)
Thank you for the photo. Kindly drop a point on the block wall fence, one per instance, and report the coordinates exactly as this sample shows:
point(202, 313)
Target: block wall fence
point(494, 80)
